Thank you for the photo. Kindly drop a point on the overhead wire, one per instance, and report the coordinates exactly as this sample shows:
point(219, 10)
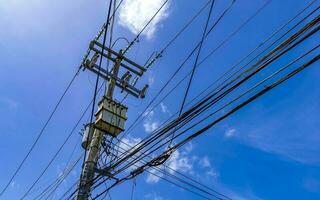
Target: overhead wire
point(40, 133)
point(158, 169)
point(173, 170)
point(49, 119)
point(189, 128)
point(255, 72)
point(195, 63)
point(145, 111)
point(170, 181)
point(258, 94)
point(56, 180)
point(241, 60)
point(144, 27)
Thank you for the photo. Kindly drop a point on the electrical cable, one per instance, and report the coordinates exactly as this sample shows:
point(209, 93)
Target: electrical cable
point(195, 64)
point(225, 73)
point(40, 133)
point(285, 51)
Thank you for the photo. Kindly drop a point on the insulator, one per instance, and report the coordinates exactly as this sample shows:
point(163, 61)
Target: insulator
point(144, 91)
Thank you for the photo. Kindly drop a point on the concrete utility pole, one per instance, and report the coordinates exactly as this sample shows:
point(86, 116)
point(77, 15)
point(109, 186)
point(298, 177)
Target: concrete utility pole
point(111, 115)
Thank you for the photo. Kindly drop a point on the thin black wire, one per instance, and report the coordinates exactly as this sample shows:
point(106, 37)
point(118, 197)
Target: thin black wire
point(63, 178)
point(60, 148)
point(73, 185)
point(195, 64)
point(177, 178)
point(158, 55)
point(97, 81)
point(171, 78)
point(301, 31)
point(243, 58)
point(143, 29)
point(239, 62)
point(185, 26)
point(98, 75)
point(40, 133)
point(170, 181)
point(260, 93)
point(176, 171)
point(265, 90)
point(65, 169)
point(145, 112)
point(248, 77)
point(133, 188)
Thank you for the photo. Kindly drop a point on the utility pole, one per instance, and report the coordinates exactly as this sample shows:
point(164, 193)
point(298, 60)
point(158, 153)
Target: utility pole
point(111, 115)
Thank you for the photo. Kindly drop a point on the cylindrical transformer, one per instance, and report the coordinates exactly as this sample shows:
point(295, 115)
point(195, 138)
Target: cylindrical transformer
point(87, 135)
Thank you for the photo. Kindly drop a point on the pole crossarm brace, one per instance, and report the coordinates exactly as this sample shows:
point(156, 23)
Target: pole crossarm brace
point(94, 45)
point(119, 82)
point(122, 82)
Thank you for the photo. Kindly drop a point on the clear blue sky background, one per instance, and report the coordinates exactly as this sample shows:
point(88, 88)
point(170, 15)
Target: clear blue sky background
point(269, 150)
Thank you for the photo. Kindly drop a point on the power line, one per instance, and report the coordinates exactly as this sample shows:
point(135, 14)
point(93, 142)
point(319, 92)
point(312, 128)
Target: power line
point(246, 78)
point(258, 94)
point(170, 181)
point(40, 133)
point(145, 112)
point(57, 153)
point(177, 172)
point(247, 55)
point(60, 176)
point(144, 27)
point(195, 64)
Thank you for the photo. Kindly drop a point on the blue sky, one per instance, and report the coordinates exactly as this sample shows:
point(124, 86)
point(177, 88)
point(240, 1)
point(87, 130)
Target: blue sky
point(268, 150)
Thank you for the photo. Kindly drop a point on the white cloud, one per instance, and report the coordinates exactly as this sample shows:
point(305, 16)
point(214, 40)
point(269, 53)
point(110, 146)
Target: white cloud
point(212, 173)
point(10, 103)
point(230, 133)
point(177, 161)
point(164, 108)
point(189, 147)
point(150, 80)
point(149, 126)
point(13, 184)
point(149, 123)
point(153, 176)
point(128, 142)
point(135, 14)
point(204, 162)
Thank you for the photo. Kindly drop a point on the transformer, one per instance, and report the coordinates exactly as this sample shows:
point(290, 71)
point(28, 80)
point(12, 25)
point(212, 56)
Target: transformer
point(87, 135)
point(111, 116)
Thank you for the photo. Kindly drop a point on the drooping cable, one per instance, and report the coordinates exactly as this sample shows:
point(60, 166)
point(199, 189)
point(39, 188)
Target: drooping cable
point(40, 133)
point(195, 64)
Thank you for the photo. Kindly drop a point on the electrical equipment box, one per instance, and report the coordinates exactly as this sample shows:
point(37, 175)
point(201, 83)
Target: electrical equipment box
point(87, 135)
point(111, 116)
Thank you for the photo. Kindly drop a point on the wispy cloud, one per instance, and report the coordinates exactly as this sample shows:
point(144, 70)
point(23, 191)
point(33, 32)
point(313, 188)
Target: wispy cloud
point(164, 108)
point(150, 80)
point(204, 162)
point(231, 132)
point(9, 103)
point(135, 14)
point(150, 124)
point(184, 162)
